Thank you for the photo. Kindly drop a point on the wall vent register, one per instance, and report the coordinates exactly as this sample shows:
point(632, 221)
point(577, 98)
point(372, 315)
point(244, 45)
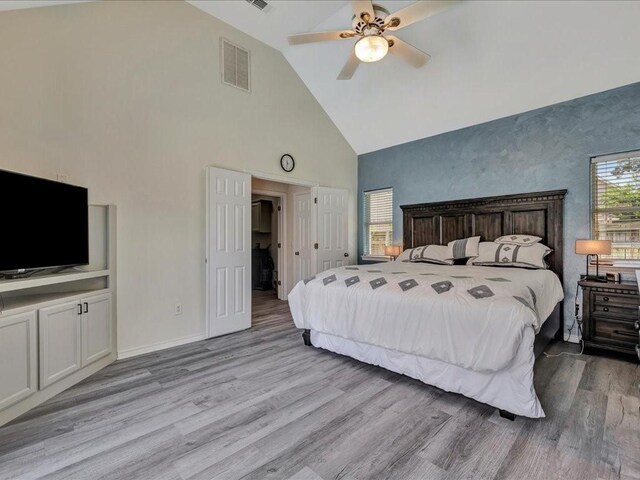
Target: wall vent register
point(260, 5)
point(235, 65)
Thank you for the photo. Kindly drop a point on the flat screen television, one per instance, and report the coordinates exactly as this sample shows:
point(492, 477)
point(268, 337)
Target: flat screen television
point(43, 224)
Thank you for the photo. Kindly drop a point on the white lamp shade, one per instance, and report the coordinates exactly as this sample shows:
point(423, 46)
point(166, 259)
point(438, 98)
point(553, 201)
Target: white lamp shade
point(593, 247)
point(371, 48)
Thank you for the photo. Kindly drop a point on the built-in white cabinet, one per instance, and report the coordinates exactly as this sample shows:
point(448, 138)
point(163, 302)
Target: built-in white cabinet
point(97, 328)
point(73, 335)
point(18, 358)
point(58, 328)
point(60, 341)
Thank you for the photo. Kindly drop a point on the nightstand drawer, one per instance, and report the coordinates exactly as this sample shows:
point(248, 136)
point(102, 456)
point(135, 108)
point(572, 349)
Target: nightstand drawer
point(628, 313)
point(629, 301)
point(615, 306)
point(618, 332)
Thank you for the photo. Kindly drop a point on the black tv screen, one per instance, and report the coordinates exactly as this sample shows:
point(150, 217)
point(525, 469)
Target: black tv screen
point(44, 223)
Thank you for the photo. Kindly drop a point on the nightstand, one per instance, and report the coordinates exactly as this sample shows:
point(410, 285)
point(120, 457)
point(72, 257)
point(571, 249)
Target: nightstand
point(610, 317)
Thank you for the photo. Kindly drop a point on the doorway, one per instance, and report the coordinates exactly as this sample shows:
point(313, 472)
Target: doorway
point(266, 243)
point(296, 230)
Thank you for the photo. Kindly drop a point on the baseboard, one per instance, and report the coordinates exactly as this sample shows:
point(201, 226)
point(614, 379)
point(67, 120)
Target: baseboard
point(154, 347)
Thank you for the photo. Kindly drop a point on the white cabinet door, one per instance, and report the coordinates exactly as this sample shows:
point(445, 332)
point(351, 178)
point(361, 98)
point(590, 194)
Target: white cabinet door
point(229, 251)
point(60, 341)
point(18, 358)
point(302, 237)
point(97, 328)
point(332, 225)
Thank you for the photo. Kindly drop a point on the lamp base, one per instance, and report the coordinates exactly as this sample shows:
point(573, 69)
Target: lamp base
point(593, 278)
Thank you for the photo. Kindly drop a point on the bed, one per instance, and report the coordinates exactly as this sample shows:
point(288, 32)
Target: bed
point(472, 330)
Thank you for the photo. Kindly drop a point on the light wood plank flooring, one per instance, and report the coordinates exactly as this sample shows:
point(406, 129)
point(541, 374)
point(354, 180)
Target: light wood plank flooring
point(259, 404)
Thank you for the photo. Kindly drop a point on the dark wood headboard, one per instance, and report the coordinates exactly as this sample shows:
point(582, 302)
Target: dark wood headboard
point(538, 213)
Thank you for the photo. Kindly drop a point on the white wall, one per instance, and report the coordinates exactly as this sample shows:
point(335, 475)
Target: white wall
point(126, 99)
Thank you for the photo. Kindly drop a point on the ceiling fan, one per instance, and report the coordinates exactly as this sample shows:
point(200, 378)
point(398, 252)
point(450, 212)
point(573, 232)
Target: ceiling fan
point(372, 23)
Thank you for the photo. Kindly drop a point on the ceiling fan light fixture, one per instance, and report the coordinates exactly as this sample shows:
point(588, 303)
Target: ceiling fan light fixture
point(371, 48)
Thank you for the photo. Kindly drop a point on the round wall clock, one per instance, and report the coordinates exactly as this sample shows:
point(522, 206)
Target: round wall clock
point(287, 162)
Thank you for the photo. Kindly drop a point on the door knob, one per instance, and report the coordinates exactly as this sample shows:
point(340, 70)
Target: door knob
point(346, 254)
point(297, 253)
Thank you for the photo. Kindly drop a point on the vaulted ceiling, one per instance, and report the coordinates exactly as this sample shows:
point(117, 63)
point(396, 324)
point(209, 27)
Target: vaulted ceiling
point(490, 59)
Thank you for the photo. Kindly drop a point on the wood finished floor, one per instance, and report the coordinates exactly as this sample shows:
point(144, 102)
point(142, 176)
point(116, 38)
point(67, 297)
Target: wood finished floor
point(259, 404)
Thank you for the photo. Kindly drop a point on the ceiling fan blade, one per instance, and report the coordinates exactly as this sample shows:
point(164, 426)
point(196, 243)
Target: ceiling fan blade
point(363, 6)
point(416, 12)
point(408, 52)
point(350, 67)
point(320, 36)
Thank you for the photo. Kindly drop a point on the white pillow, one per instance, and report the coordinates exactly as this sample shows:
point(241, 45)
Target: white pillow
point(518, 239)
point(438, 254)
point(463, 248)
point(404, 256)
point(493, 254)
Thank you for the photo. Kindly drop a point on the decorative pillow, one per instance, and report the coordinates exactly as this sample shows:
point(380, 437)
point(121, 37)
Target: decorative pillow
point(464, 248)
point(503, 255)
point(404, 256)
point(438, 254)
point(527, 240)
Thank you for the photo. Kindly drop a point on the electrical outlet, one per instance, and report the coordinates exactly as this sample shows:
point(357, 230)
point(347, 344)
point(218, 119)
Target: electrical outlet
point(62, 177)
point(178, 309)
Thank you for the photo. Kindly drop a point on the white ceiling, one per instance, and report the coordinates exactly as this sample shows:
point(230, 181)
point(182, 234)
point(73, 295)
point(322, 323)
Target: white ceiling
point(490, 59)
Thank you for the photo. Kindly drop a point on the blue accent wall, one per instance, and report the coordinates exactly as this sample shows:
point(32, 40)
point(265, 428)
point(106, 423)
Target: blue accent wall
point(544, 149)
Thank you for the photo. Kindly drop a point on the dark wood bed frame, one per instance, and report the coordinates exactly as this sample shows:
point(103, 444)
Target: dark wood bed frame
point(538, 213)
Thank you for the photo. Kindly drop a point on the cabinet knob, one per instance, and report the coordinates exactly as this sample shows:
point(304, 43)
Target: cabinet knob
point(346, 254)
point(605, 309)
point(297, 253)
point(638, 325)
point(606, 299)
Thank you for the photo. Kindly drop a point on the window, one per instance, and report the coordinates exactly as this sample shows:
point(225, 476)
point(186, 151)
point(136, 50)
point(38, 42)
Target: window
point(615, 203)
point(378, 221)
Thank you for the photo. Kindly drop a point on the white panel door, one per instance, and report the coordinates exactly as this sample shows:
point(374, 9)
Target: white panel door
point(302, 237)
point(18, 358)
point(97, 326)
point(60, 341)
point(229, 251)
point(332, 225)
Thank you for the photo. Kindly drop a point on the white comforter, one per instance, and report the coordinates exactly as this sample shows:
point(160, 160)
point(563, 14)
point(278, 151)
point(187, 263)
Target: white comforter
point(472, 317)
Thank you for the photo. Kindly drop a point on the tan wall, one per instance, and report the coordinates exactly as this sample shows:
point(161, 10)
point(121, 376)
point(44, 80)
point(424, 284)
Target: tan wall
point(126, 99)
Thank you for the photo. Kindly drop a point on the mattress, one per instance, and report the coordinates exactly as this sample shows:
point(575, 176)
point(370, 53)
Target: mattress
point(472, 317)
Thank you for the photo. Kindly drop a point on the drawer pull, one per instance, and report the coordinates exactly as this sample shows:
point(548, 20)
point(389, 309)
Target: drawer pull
point(605, 309)
point(625, 333)
point(606, 299)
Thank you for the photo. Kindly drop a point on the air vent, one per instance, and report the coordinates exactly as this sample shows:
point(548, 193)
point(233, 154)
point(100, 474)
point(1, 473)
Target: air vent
point(235, 65)
point(260, 5)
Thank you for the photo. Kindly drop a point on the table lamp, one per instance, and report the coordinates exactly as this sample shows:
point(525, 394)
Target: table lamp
point(593, 248)
point(393, 251)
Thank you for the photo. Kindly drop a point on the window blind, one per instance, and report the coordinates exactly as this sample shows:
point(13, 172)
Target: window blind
point(378, 221)
point(615, 203)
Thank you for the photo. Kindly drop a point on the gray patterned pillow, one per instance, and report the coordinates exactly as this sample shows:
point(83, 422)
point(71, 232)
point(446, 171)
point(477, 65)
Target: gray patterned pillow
point(463, 248)
point(493, 254)
point(431, 254)
point(527, 240)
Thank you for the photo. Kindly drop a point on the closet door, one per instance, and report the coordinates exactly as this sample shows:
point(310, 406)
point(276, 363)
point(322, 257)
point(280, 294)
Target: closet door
point(302, 237)
point(60, 341)
point(18, 358)
point(229, 251)
point(332, 228)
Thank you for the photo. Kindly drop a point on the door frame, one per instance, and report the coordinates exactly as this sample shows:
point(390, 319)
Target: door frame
point(282, 239)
